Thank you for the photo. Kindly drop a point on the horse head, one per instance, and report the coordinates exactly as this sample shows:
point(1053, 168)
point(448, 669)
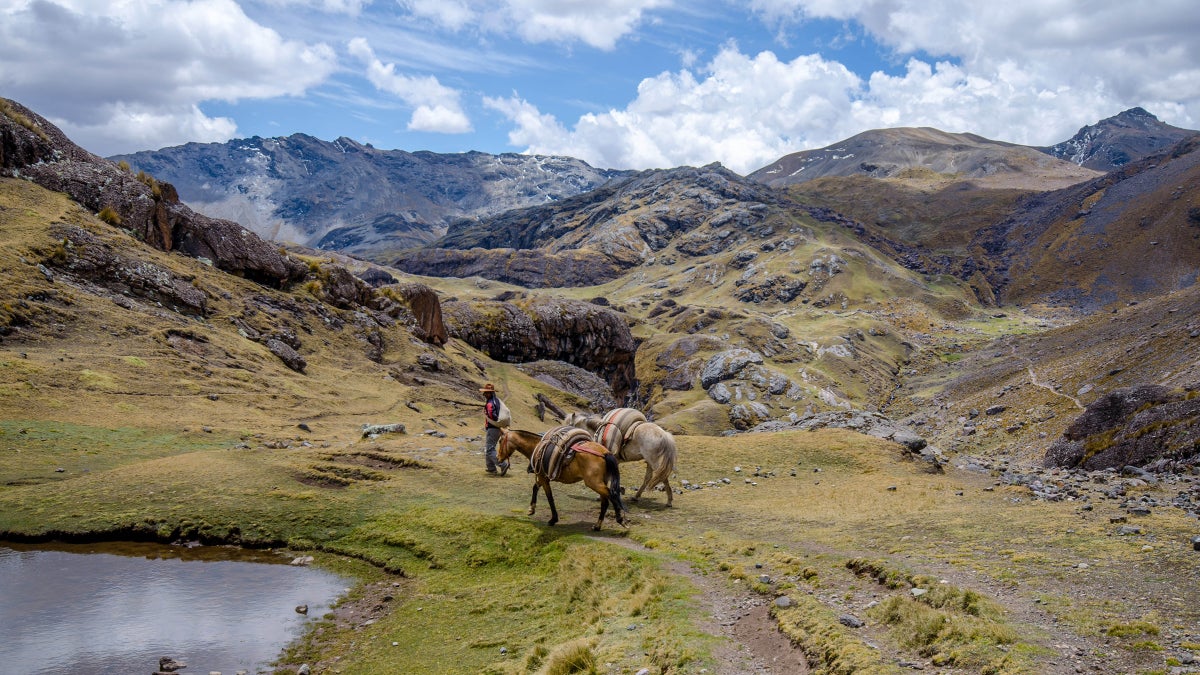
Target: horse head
point(582, 420)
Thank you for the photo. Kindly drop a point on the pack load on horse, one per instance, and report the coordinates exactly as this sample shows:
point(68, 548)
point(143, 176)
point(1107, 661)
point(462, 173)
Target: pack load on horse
point(630, 436)
point(566, 454)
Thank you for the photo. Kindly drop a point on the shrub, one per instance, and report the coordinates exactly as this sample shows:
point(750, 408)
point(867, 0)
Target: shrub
point(109, 215)
point(572, 657)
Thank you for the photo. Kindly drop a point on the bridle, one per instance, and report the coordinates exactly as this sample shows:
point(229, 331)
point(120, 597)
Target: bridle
point(504, 452)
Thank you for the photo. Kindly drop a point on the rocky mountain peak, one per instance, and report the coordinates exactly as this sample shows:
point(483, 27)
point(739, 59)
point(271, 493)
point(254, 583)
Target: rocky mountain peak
point(1118, 140)
point(353, 197)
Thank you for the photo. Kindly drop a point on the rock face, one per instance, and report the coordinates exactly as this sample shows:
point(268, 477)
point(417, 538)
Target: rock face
point(532, 268)
point(1114, 142)
point(348, 196)
point(31, 147)
point(727, 364)
point(594, 338)
point(86, 257)
point(427, 311)
point(1146, 426)
point(597, 236)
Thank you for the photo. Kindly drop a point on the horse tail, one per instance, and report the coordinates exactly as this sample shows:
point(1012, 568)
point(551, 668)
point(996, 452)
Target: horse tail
point(612, 470)
point(667, 452)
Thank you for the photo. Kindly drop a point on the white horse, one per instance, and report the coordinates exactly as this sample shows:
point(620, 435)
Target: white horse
point(647, 441)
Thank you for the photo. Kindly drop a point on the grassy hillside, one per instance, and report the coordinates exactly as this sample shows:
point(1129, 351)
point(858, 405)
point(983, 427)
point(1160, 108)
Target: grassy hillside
point(120, 418)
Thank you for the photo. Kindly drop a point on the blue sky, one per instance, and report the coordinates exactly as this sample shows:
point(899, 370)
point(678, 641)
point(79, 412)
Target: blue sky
point(618, 83)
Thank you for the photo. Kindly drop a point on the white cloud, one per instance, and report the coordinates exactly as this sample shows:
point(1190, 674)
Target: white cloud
point(1141, 53)
point(436, 107)
point(597, 24)
point(153, 126)
point(123, 76)
point(1024, 71)
point(350, 7)
point(745, 112)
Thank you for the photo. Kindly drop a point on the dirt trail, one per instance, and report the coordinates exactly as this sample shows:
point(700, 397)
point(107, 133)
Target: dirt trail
point(755, 644)
point(1033, 379)
point(1036, 383)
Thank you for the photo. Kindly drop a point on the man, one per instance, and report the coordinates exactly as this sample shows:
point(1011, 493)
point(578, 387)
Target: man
point(492, 430)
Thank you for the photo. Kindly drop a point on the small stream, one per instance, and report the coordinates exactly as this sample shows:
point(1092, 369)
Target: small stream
point(119, 607)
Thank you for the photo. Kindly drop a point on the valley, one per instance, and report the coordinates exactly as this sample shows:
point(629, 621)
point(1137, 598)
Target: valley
point(864, 373)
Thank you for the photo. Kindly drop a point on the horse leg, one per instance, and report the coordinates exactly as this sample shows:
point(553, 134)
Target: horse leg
point(550, 499)
point(603, 510)
point(645, 482)
point(533, 501)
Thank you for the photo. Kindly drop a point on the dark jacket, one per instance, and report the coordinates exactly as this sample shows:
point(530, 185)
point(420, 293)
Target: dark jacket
point(491, 411)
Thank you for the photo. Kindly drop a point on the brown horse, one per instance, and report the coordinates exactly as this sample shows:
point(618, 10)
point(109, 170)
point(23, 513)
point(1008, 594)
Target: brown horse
point(593, 465)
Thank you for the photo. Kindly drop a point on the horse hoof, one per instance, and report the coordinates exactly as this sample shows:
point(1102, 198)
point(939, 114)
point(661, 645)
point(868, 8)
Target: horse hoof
point(595, 528)
point(552, 522)
point(530, 512)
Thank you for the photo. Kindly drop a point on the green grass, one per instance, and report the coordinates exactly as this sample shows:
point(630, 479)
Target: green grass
point(31, 451)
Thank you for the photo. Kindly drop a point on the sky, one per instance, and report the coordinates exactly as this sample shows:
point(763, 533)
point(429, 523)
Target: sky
point(628, 84)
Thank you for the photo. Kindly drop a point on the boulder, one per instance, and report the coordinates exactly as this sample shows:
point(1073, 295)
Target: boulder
point(1143, 426)
point(290, 357)
point(726, 364)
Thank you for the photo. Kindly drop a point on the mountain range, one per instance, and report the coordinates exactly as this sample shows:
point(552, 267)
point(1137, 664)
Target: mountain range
point(937, 365)
point(858, 275)
point(347, 196)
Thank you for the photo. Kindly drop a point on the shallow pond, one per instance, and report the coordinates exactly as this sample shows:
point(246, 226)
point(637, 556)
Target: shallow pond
point(118, 608)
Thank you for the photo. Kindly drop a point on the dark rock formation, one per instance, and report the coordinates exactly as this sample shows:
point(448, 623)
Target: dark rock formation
point(532, 268)
point(290, 357)
point(427, 311)
point(1145, 426)
point(33, 148)
point(1114, 142)
point(594, 338)
point(88, 259)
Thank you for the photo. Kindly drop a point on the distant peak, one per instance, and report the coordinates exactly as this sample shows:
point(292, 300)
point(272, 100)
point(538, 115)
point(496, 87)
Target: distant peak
point(1137, 112)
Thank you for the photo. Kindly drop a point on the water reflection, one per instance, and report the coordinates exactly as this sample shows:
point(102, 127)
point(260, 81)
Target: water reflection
point(117, 608)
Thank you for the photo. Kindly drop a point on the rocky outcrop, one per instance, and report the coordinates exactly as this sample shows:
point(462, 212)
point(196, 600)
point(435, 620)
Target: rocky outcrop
point(574, 380)
point(86, 258)
point(531, 268)
point(871, 424)
point(426, 308)
point(1146, 426)
point(32, 148)
point(726, 365)
point(580, 333)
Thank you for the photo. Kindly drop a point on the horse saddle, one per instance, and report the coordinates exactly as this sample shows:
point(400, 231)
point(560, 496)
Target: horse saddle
point(617, 427)
point(555, 450)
